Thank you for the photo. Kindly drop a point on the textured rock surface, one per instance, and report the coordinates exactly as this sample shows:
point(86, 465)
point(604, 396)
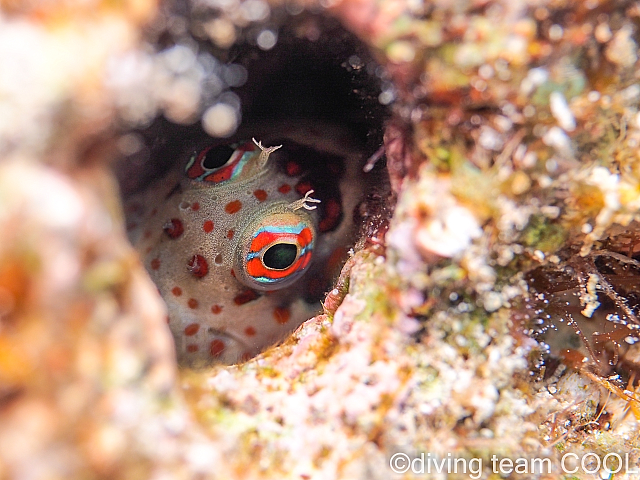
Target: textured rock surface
point(515, 133)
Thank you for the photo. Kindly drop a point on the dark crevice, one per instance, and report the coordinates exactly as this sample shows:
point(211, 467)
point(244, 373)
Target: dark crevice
point(331, 80)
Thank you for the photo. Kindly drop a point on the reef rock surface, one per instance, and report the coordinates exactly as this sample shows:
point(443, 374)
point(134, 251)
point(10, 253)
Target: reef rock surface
point(512, 148)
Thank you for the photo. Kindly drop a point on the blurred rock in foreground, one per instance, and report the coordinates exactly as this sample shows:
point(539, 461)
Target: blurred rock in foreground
point(497, 317)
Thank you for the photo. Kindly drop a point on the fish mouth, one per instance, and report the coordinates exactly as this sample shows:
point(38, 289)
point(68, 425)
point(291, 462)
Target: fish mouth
point(226, 334)
point(233, 350)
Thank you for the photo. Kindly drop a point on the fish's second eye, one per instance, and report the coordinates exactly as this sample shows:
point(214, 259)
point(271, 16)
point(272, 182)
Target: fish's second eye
point(221, 163)
point(215, 157)
point(280, 256)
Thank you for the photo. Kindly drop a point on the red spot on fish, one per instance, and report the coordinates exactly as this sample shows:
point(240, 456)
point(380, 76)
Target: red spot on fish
point(173, 228)
point(198, 266)
point(216, 348)
point(249, 331)
point(245, 297)
point(191, 329)
point(195, 206)
point(155, 264)
point(177, 291)
point(216, 309)
point(233, 274)
point(230, 234)
point(281, 314)
point(233, 207)
point(260, 194)
point(193, 303)
point(303, 187)
point(192, 348)
point(207, 226)
point(246, 356)
point(293, 169)
point(284, 188)
point(332, 212)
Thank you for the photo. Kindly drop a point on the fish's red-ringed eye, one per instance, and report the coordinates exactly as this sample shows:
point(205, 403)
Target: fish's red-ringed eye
point(275, 249)
point(221, 163)
point(215, 157)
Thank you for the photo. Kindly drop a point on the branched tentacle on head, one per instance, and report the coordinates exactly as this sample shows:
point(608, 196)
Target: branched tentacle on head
point(303, 202)
point(264, 153)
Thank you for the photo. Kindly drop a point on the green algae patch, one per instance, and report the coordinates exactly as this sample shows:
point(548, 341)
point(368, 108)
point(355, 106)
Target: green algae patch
point(544, 235)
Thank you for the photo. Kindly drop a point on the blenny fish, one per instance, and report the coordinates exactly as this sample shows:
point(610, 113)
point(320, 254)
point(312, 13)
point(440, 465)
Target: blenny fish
point(243, 237)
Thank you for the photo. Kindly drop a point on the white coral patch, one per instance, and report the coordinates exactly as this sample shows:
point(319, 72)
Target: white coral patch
point(47, 69)
point(535, 78)
point(43, 194)
point(607, 182)
point(558, 139)
point(561, 111)
point(450, 232)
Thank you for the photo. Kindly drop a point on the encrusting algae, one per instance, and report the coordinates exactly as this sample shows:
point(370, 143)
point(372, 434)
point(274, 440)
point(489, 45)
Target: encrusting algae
point(492, 315)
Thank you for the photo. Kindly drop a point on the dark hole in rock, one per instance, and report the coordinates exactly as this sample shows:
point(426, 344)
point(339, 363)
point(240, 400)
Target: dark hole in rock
point(331, 80)
point(317, 98)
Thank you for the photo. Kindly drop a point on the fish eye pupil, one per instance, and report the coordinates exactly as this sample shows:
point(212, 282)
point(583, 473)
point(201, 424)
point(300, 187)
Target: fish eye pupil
point(280, 256)
point(217, 156)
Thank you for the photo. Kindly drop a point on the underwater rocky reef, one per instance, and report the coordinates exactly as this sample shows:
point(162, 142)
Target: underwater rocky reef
point(485, 324)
